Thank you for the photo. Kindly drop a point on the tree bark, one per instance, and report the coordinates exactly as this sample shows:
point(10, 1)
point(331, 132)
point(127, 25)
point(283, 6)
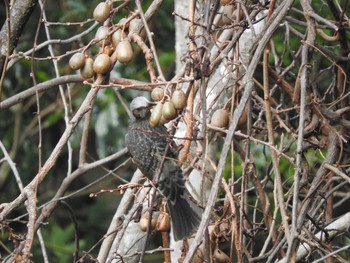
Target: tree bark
point(19, 14)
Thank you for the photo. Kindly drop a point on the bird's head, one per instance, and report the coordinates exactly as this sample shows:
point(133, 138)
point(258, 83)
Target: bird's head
point(141, 107)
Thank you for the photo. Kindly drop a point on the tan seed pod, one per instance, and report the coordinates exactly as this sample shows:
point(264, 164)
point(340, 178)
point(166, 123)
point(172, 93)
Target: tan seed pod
point(226, 15)
point(87, 71)
point(243, 120)
point(102, 36)
point(220, 118)
point(101, 12)
point(157, 94)
point(153, 223)
point(224, 2)
point(77, 61)
point(220, 257)
point(134, 26)
point(156, 114)
point(224, 227)
point(102, 64)
point(118, 36)
point(124, 23)
point(163, 222)
point(163, 120)
point(179, 99)
point(169, 111)
point(108, 50)
point(144, 222)
point(198, 256)
point(124, 51)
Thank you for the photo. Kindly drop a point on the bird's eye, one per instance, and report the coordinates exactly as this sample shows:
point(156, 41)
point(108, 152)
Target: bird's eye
point(136, 112)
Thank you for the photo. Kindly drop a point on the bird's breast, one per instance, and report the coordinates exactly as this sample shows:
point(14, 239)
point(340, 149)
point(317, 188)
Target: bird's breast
point(143, 145)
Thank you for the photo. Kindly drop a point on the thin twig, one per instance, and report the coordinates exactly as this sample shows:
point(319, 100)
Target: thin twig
point(155, 5)
point(275, 161)
point(304, 82)
point(12, 166)
point(337, 171)
point(63, 97)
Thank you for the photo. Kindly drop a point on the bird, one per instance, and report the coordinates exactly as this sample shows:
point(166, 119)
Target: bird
point(154, 152)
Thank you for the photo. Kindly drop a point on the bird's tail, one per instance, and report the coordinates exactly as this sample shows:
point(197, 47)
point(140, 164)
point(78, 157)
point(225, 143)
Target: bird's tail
point(185, 216)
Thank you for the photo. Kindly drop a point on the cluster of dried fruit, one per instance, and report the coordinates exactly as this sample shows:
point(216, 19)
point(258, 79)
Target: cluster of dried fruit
point(114, 46)
point(161, 222)
point(166, 110)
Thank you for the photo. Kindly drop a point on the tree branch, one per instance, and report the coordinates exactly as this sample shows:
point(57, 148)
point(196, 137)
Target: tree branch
point(20, 12)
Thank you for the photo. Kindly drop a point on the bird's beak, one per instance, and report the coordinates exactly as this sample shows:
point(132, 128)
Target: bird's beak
point(151, 104)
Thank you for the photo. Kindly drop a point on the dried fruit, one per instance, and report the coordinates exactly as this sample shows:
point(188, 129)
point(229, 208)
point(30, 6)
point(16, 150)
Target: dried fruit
point(179, 99)
point(101, 12)
point(102, 36)
point(169, 111)
point(198, 256)
point(157, 94)
point(134, 24)
point(220, 257)
point(102, 64)
point(87, 71)
point(77, 61)
point(144, 222)
point(224, 2)
point(163, 120)
point(243, 119)
point(118, 36)
point(220, 118)
point(163, 223)
point(124, 22)
point(134, 27)
point(124, 51)
point(226, 16)
point(108, 50)
point(156, 114)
